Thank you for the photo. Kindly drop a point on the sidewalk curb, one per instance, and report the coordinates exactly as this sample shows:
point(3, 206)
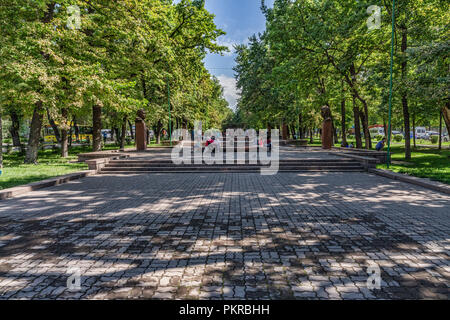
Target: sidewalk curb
point(433, 185)
point(15, 191)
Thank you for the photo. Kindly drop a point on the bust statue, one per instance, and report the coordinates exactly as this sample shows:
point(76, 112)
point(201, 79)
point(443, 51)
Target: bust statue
point(327, 128)
point(326, 113)
point(140, 115)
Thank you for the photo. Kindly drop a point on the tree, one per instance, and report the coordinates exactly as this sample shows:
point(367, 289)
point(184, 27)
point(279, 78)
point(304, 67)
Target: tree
point(115, 62)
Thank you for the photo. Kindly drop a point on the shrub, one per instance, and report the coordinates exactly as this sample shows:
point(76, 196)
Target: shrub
point(434, 139)
point(398, 138)
point(379, 137)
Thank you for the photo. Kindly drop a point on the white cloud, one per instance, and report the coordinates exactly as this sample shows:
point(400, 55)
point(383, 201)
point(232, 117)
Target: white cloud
point(227, 43)
point(230, 43)
point(230, 92)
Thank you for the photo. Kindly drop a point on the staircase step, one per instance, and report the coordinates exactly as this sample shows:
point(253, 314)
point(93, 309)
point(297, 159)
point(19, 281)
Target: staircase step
point(165, 165)
point(224, 168)
point(281, 165)
point(231, 171)
point(309, 161)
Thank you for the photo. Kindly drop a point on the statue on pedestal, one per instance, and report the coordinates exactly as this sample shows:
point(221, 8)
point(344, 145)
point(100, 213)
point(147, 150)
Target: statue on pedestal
point(327, 128)
point(141, 131)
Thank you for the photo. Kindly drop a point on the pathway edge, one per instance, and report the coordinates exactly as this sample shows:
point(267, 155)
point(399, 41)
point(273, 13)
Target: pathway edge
point(19, 190)
point(432, 185)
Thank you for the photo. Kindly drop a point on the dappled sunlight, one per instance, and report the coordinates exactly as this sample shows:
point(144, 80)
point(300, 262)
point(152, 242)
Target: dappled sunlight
point(280, 235)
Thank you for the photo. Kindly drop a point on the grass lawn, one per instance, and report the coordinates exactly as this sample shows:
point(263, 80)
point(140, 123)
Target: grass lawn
point(50, 164)
point(318, 142)
point(425, 163)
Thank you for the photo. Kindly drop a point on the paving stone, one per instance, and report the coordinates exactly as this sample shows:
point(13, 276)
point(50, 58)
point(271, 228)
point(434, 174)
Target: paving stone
point(226, 236)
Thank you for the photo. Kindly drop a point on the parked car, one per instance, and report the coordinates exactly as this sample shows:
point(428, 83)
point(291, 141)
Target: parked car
point(445, 137)
point(378, 131)
point(396, 133)
point(107, 133)
point(421, 133)
point(431, 133)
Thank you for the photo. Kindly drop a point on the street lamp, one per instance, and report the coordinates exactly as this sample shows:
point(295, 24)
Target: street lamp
point(170, 116)
point(298, 110)
point(390, 86)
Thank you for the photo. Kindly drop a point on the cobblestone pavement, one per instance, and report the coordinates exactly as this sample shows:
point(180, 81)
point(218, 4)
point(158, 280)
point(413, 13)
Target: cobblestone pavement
point(232, 236)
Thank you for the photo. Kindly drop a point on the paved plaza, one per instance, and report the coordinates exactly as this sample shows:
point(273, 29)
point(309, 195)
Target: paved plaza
point(225, 236)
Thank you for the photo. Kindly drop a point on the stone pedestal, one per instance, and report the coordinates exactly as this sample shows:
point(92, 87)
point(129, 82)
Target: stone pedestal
point(284, 132)
point(141, 135)
point(327, 134)
point(327, 128)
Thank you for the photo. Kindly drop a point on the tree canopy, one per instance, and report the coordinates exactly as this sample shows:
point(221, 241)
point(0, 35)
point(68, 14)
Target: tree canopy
point(100, 61)
point(327, 52)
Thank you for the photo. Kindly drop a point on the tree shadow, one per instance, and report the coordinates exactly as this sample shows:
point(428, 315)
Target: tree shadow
point(214, 236)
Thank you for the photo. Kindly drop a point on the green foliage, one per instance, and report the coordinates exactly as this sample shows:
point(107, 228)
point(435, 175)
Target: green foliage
point(434, 139)
point(122, 58)
point(425, 163)
point(50, 165)
point(398, 138)
point(320, 52)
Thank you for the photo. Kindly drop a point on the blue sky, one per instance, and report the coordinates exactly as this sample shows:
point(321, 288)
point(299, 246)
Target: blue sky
point(239, 19)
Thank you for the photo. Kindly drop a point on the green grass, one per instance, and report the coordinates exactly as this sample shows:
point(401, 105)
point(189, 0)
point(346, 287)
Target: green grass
point(425, 163)
point(317, 142)
point(50, 164)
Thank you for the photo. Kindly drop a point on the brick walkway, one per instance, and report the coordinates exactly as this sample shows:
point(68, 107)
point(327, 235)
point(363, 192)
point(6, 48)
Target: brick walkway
point(226, 236)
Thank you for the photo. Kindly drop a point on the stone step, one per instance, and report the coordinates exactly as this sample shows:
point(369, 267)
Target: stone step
point(305, 161)
point(227, 168)
point(233, 171)
point(169, 165)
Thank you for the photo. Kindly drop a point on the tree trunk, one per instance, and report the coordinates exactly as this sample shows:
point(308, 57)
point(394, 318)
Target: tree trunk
point(158, 132)
point(335, 135)
point(117, 134)
point(77, 130)
point(131, 129)
point(311, 136)
point(1, 141)
point(343, 124)
point(300, 126)
point(357, 125)
point(15, 128)
point(440, 130)
point(35, 134)
point(64, 135)
point(365, 123)
point(96, 128)
point(70, 136)
point(446, 116)
point(284, 131)
point(414, 129)
point(123, 134)
point(54, 127)
point(404, 68)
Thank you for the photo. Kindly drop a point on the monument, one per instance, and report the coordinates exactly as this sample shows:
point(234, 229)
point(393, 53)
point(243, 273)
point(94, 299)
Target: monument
point(327, 128)
point(141, 131)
